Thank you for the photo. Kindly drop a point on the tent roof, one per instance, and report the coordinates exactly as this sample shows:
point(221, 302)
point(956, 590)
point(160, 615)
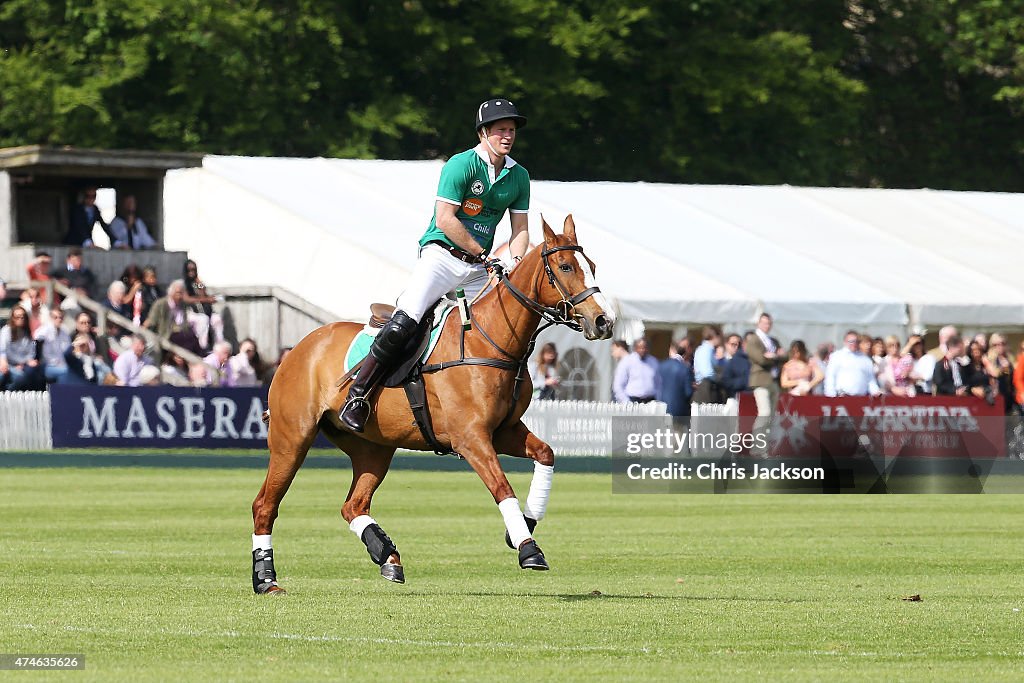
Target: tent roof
point(688, 253)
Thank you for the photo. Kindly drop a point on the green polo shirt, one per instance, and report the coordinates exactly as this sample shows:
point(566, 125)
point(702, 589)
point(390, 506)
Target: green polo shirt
point(466, 182)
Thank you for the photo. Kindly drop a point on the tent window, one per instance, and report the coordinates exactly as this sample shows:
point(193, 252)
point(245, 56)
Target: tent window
point(579, 376)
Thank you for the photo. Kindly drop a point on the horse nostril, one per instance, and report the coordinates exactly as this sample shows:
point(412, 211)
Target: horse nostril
point(602, 324)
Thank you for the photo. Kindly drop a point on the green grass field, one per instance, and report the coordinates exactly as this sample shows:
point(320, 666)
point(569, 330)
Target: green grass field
point(146, 572)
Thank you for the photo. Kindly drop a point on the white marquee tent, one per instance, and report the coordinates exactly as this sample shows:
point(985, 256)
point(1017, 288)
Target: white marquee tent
point(342, 234)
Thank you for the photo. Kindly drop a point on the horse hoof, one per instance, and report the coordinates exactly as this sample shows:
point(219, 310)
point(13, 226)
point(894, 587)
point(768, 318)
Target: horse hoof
point(393, 572)
point(273, 590)
point(531, 524)
point(531, 557)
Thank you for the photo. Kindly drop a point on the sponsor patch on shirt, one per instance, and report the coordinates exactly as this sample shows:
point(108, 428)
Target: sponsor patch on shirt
point(472, 206)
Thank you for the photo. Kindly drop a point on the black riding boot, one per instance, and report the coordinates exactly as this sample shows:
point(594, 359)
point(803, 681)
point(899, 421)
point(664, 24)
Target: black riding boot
point(386, 350)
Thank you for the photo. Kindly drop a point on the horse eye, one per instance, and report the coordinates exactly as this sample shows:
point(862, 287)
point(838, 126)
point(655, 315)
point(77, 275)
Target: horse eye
point(565, 268)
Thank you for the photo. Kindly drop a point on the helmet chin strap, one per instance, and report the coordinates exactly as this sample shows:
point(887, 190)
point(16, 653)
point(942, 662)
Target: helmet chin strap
point(488, 142)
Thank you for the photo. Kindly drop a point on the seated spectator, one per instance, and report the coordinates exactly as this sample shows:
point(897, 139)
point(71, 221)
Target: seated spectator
point(798, 376)
point(247, 368)
point(202, 302)
point(133, 368)
point(268, 376)
point(220, 374)
point(56, 341)
point(20, 370)
point(150, 290)
point(75, 275)
point(128, 230)
point(115, 302)
point(736, 373)
point(850, 371)
point(115, 340)
point(174, 370)
point(676, 383)
point(84, 365)
point(38, 270)
point(38, 312)
point(951, 377)
point(545, 373)
point(84, 217)
point(1002, 369)
point(169, 318)
point(199, 375)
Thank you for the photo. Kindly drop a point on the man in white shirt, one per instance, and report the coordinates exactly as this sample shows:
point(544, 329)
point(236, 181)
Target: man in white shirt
point(850, 372)
point(128, 230)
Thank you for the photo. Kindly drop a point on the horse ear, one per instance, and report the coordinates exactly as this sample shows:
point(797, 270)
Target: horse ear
point(549, 234)
point(569, 229)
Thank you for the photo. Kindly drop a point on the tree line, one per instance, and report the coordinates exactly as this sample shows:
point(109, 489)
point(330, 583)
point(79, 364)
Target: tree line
point(876, 93)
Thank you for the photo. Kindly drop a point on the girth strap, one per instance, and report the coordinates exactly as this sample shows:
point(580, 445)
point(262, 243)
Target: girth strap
point(416, 392)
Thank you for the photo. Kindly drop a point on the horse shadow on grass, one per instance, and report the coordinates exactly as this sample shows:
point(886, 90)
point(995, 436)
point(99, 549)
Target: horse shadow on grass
point(598, 595)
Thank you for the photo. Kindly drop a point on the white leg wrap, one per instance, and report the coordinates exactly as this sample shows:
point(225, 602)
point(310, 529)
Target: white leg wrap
point(514, 522)
point(540, 489)
point(359, 524)
point(261, 542)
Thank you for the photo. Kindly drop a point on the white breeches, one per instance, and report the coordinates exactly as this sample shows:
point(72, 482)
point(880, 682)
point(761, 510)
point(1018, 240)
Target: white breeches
point(436, 273)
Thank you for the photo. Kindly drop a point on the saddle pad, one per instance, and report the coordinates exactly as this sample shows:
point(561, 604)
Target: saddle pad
point(360, 345)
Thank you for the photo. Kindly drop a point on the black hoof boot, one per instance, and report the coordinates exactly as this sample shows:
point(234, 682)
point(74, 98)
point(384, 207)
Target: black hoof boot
point(264, 578)
point(530, 557)
point(531, 524)
point(393, 572)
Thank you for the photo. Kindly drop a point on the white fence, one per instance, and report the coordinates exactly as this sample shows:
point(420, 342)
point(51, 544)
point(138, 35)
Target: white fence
point(582, 427)
point(25, 421)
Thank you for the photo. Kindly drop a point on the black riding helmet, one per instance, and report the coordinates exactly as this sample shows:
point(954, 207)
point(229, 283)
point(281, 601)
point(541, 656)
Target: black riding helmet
point(495, 110)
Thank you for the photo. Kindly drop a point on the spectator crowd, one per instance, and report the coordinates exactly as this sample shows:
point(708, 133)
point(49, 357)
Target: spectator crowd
point(58, 341)
point(723, 365)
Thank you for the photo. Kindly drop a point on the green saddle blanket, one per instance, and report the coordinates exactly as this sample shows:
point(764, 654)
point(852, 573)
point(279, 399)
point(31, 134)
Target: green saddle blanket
point(360, 345)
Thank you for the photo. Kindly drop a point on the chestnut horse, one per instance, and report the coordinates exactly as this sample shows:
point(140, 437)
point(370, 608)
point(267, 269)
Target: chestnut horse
point(471, 404)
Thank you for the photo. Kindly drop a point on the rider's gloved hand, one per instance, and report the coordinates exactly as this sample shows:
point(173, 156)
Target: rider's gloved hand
point(494, 265)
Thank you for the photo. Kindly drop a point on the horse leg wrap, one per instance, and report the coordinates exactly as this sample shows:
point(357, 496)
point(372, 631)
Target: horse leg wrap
point(378, 544)
point(263, 575)
point(531, 524)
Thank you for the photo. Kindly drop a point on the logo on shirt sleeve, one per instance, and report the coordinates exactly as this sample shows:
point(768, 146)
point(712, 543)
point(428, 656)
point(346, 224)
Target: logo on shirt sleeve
point(472, 206)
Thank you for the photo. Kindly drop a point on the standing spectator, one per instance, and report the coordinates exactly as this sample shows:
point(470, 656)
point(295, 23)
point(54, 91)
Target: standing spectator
point(56, 341)
point(820, 361)
point(150, 290)
point(3, 289)
point(736, 373)
point(925, 367)
point(866, 345)
point(620, 349)
point(245, 367)
point(895, 375)
point(545, 373)
point(84, 216)
point(131, 276)
point(798, 376)
point(75, 275)
point(765, 360)
point(219, 373)
point(981, 341)
point(878, 351)
point(38, 270)
point(133, 368)
point(707, 367)
point(169, 318)
point(20, 370)
point(1018, 379)
point(127, 230)
point(675, 379)
point(850, 371)
point(978, 374)
point(636, 377)
point(205, 317)
point(1002, 369)
point(951, 377)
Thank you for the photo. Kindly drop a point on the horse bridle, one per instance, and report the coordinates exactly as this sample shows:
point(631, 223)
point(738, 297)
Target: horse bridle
point(563, 312)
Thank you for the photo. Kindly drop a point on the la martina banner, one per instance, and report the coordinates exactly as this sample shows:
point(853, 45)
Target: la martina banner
point(158, 417)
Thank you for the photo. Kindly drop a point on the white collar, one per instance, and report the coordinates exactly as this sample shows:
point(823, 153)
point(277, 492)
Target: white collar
point(481, 152)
